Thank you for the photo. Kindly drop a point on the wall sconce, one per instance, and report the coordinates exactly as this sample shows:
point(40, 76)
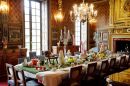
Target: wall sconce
point(59, 15)
point(4, 6)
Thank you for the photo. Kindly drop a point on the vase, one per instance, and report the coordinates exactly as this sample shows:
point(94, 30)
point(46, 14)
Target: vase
point(4, 45)
point(42, 63)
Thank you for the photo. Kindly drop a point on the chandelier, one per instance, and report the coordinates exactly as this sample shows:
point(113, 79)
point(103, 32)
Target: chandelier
point(83, 13)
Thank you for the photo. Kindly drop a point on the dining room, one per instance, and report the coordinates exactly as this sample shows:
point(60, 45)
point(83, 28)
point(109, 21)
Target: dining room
point(64, 42)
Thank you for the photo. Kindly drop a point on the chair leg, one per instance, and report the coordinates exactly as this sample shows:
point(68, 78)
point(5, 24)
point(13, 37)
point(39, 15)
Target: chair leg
point(57, 60)
point(53, 60)
point(50, 61)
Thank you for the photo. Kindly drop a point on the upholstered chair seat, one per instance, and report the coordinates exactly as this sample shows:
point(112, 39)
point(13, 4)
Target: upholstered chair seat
point(10, 75)
point(32, 83)
point(11, 82)
point(20, 79)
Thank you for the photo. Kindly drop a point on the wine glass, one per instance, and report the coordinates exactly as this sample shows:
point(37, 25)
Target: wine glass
point(59, 66)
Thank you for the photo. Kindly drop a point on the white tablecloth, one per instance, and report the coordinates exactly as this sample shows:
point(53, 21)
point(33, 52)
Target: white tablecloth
point(50, 78)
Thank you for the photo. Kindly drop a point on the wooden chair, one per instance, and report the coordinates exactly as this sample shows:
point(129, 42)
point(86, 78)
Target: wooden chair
point(128, 62)
point(89, 78)
point(20, 79)
point(122, 64)
point(74, 77)
point(10, 75)
point(76, 53)
point(20, 60)
point(48, 54)
point(32, 55)
point(102, 72)
point(111, 68)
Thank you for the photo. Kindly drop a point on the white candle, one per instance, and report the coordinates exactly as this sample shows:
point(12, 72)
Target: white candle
point(61, 32)
point(68, 32)
point(64, 30)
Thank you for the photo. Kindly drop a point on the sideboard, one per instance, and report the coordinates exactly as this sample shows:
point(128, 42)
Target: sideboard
point(10, 56)
point(56, 49)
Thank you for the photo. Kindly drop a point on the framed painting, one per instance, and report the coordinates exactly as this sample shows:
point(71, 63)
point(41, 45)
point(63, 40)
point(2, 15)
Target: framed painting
point(15, 33)
point(54, 36)
point(105, 36)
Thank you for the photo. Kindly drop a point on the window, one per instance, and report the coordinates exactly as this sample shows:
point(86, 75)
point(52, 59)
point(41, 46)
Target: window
point(80, 29)
point(44, 26)
point(35, 26)
point(77, 33)
point(84, 33)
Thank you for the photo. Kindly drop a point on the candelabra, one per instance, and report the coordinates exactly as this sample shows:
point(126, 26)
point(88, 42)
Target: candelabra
point(65, 39)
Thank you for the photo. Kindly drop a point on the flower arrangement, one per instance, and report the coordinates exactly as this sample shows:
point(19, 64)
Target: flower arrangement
point(41, 61)
point(101, 55)
point(93, 56)
point(34, 61)
point(19, 46)
point(71, 59)
point(4, 42)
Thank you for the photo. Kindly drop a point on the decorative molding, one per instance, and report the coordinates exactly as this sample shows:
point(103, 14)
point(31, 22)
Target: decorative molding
point(111, 15)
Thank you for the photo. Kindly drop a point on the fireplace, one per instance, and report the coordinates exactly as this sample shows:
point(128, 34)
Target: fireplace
point(119, 44)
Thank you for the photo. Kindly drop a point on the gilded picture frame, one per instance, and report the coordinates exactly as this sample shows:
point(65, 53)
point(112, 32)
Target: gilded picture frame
point(126, 7)
point(121, 12)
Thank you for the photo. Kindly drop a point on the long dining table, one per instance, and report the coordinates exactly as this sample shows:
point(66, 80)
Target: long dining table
point(54, 78)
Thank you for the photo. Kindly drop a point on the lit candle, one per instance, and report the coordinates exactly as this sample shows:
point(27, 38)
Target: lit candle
point(70, 13)
point(91, 7)
point(95, 13)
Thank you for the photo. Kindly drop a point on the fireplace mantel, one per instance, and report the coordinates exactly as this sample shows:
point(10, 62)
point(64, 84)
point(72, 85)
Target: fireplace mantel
point(116, 36)
point(118, 39)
